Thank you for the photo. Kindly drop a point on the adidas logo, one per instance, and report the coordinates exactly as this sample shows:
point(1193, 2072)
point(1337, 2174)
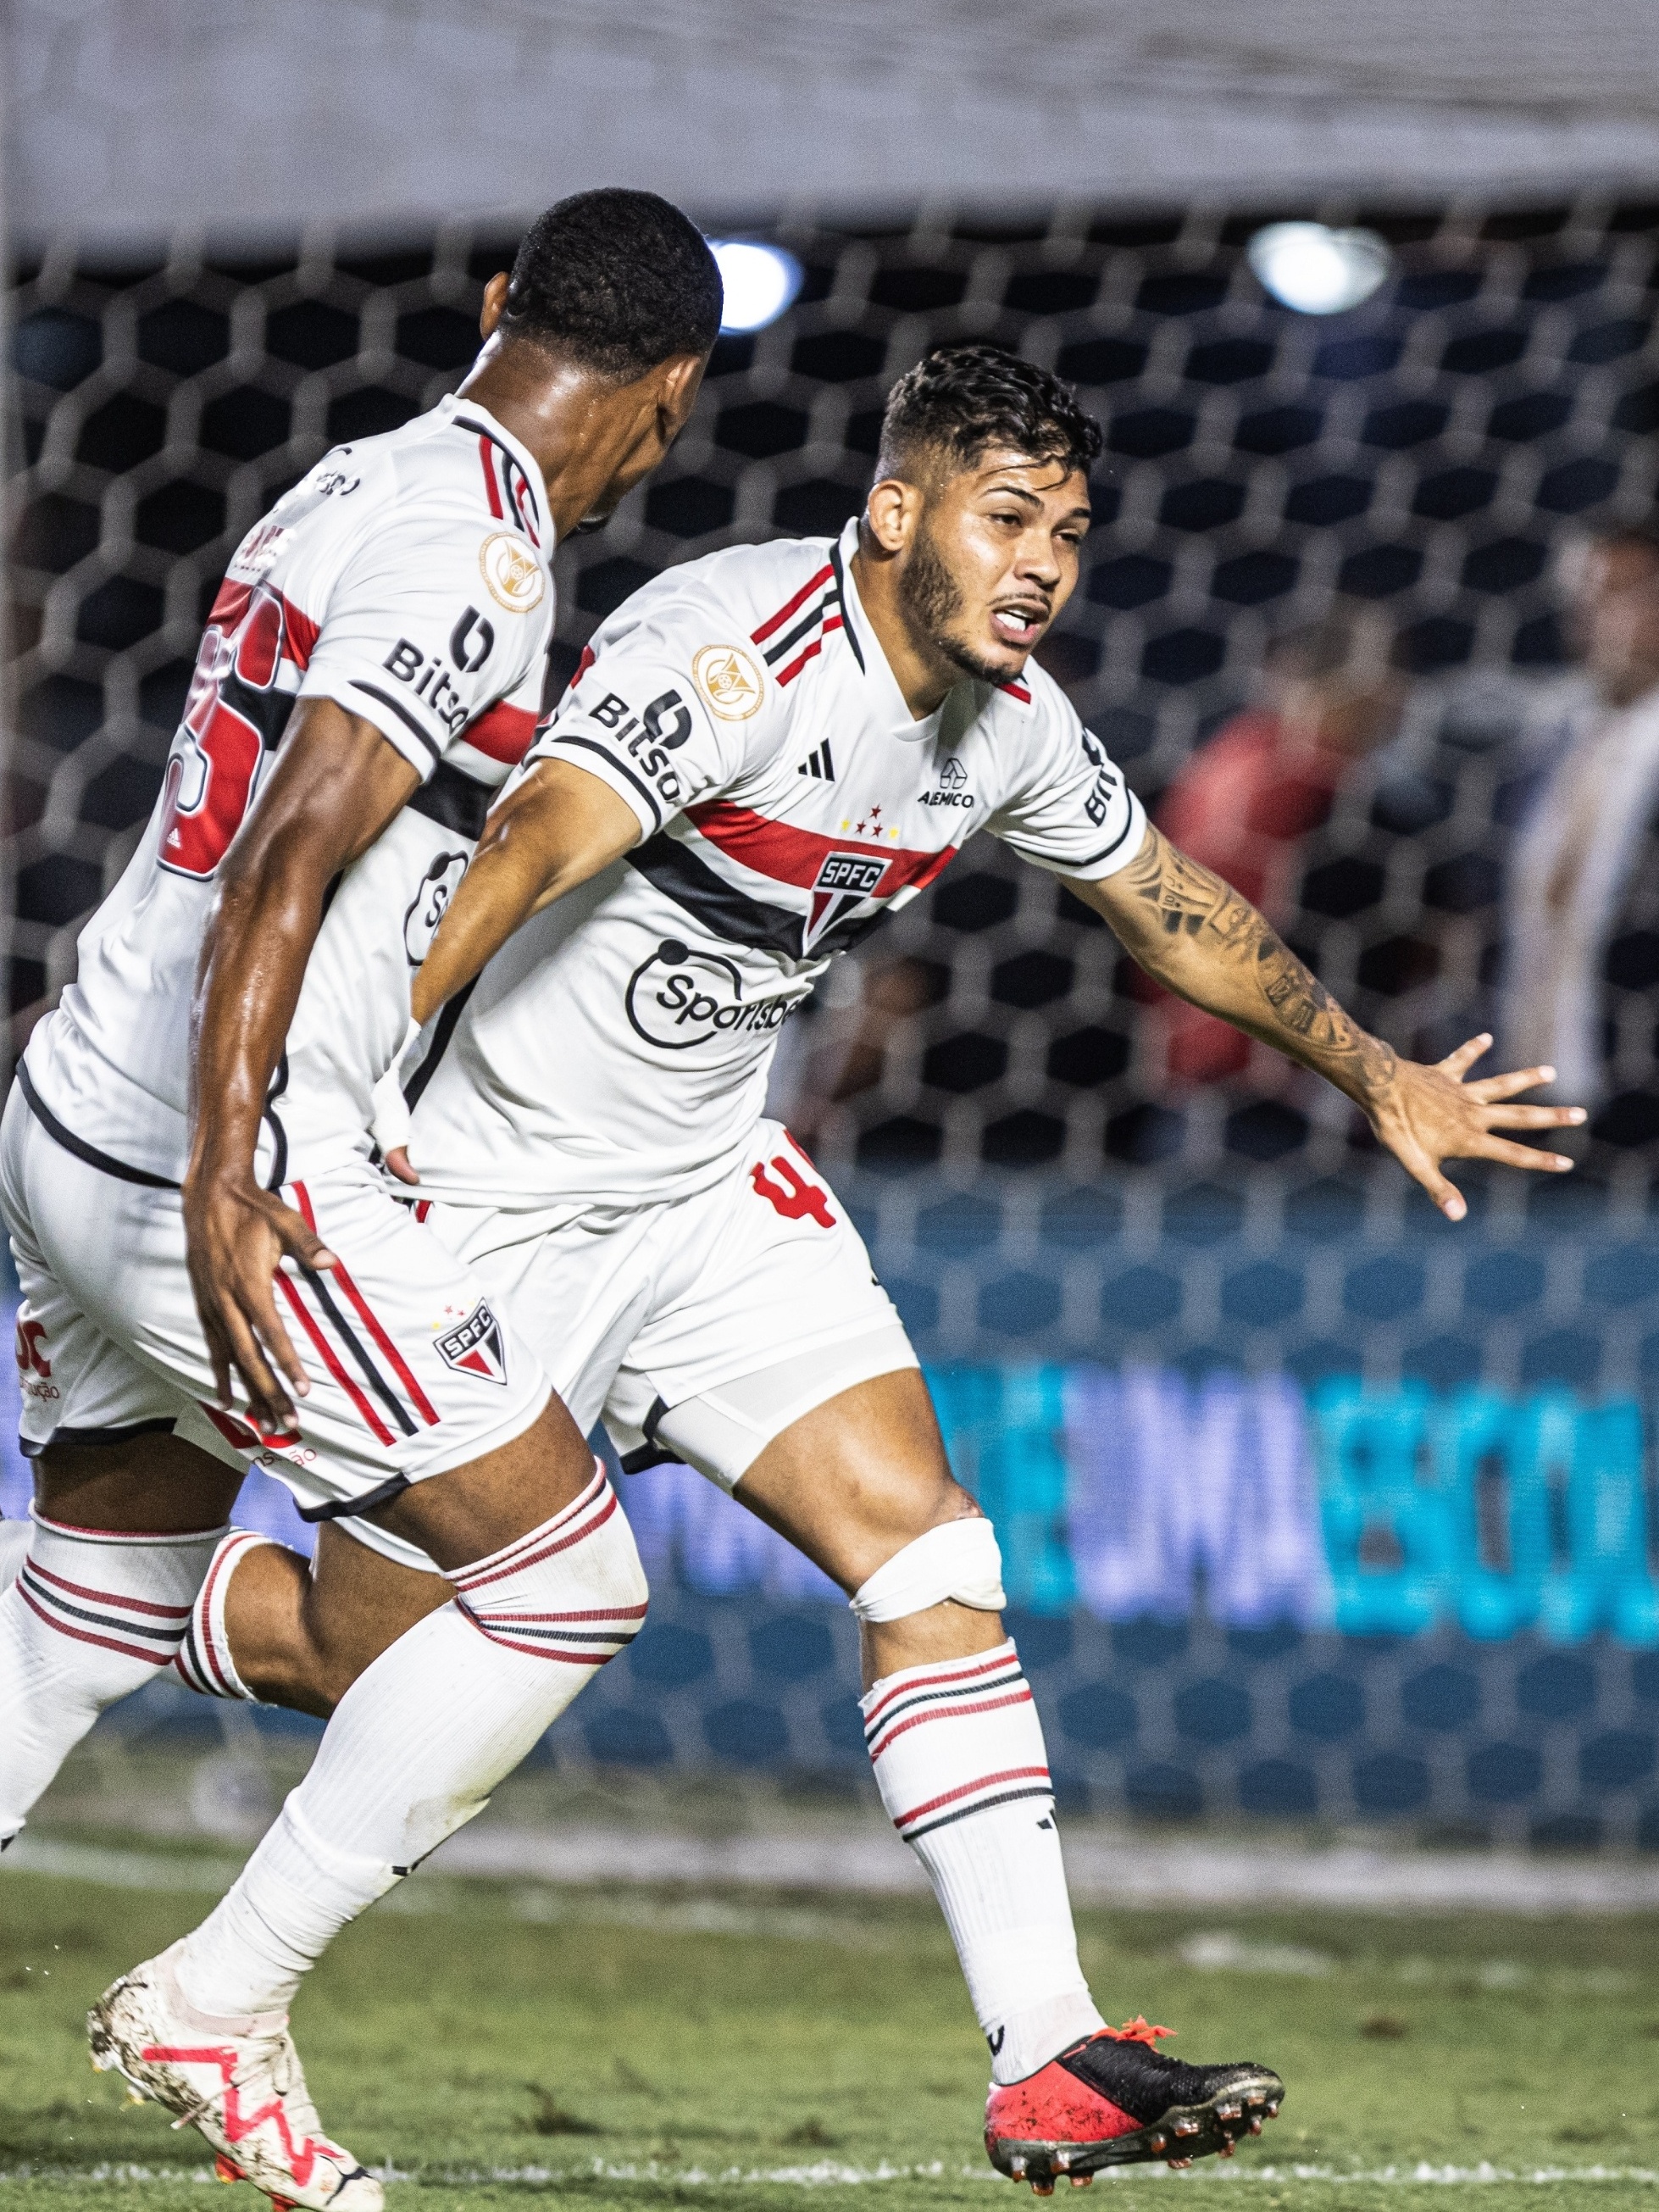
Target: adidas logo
point(818, 764)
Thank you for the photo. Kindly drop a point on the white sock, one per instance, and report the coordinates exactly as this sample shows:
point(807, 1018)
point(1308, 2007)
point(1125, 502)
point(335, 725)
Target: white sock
point(90, 1617)
point(14, 1546)
point(959, 1760)
point(203, 1662)
point(418, 1743)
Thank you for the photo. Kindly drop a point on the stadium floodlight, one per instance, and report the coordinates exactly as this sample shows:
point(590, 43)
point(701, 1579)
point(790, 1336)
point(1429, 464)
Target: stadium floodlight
point(760, 281)
point(1316, 270)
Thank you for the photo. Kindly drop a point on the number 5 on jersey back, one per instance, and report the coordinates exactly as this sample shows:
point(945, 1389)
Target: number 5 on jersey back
point(233, 716)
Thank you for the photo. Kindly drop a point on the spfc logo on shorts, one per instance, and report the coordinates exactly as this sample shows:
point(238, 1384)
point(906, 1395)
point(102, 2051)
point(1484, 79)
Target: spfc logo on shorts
point(844, 881)
point(475, 1347)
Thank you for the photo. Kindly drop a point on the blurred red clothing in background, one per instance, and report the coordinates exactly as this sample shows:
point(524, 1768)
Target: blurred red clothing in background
point(1242, 805)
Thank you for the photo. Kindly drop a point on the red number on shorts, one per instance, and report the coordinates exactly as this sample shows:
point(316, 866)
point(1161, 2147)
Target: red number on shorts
point(794, 1198)
point(211, 775)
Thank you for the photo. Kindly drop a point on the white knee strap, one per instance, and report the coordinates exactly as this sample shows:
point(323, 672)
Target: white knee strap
point(959, 1560)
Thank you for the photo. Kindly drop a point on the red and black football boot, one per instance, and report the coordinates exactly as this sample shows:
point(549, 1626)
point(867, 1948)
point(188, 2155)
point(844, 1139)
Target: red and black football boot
point(1114, 2099)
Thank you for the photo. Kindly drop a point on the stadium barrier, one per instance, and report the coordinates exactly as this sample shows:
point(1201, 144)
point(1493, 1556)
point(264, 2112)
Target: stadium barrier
point(1235, 1596)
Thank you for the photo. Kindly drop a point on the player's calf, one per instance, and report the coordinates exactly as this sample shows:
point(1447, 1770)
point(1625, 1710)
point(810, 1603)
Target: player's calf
point(959, 1758)
point(204, 1661)
point(457, 1701)
point(91, 1616)
point(271, 1627)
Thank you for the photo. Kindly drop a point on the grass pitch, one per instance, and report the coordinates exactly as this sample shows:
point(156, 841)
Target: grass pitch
point(491, 2044)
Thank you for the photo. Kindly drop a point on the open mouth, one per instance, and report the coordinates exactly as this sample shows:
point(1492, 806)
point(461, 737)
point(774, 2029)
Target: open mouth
point(1020, 626)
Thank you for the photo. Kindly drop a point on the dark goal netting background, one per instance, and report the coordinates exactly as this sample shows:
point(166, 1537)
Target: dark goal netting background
point(1312, 1506)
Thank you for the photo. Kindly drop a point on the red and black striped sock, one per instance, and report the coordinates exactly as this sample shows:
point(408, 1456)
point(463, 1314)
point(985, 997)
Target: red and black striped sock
point(91, 1616)
point(959, 1759)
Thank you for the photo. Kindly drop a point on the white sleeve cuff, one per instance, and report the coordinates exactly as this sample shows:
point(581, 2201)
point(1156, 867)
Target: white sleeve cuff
point(583, 752)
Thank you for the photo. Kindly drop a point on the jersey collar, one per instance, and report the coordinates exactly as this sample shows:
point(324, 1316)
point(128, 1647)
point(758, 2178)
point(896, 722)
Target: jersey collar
point(887, 703)
point(464, 413)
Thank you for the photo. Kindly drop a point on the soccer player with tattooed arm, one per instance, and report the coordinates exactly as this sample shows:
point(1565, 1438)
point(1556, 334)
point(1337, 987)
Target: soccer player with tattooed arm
point(764, 753)
point(187, 1155)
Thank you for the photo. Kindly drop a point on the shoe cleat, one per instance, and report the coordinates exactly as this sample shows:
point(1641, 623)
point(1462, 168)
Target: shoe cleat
point(1114, 2099)
point(240, 2083)
point(1177, 2165)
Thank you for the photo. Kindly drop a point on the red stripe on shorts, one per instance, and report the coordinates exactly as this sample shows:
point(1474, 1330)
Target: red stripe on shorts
point(424, 1404)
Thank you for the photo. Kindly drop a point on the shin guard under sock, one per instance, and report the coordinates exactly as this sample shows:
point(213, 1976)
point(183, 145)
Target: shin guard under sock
point(959, 1760)
point(418, 1743)
point(90, 1617)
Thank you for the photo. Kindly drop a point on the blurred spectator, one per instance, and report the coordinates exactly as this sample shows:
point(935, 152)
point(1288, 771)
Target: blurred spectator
point(841, 1048)
point(1583, 902)
point(1243, 802)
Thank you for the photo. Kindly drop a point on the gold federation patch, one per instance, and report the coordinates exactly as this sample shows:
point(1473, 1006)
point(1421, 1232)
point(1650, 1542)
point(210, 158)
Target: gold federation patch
point(729, 680)
point(512, 572)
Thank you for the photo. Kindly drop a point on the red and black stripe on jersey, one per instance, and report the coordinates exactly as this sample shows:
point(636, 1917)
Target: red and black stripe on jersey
point(511, 494)
point(786, 855)
point(794, 634)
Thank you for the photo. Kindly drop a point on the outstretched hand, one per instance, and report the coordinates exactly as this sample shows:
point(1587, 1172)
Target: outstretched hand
point(239, 1238)
point(1428, 1115)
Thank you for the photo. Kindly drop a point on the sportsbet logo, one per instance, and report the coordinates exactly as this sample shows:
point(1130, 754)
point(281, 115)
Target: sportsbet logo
point(678, 997)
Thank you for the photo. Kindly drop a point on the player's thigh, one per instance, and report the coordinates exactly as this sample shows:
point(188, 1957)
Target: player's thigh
point(778, 1367)
point(576, 1282)
point(97, 1423)
point(857, 1478)
point(428, 1413)
point(411, 1373)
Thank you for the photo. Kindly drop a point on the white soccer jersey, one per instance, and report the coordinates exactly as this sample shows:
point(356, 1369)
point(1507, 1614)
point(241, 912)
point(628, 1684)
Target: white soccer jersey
point(618, 1048)
point(406, 577)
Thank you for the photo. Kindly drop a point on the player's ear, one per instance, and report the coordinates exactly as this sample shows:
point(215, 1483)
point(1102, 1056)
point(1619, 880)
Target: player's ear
point(679, 379)
point(495, 300)
point(891, 513)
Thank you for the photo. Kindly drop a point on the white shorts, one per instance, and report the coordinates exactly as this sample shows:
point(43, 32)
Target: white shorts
point(412, 1369)
point(697, 1328)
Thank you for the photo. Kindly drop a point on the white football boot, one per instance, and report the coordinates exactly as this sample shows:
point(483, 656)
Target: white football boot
point(240, 2083)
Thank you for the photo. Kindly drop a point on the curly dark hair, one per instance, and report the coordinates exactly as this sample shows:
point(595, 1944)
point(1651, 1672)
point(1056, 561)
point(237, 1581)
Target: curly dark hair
point(618, 280)
point(960, 400)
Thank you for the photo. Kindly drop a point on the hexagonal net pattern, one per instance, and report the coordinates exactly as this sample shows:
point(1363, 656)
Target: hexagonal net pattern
point(1423, 453)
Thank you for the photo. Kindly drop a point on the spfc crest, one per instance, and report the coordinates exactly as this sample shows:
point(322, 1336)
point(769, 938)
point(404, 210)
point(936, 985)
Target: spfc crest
point(475, 1347)
point(843, 882)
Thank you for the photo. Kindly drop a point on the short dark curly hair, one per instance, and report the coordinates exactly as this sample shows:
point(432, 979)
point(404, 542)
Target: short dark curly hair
point(960, 400)
point(617, 280)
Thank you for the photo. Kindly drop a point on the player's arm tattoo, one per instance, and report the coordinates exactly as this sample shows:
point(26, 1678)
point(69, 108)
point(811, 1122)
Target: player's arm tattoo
point(1200, 938)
